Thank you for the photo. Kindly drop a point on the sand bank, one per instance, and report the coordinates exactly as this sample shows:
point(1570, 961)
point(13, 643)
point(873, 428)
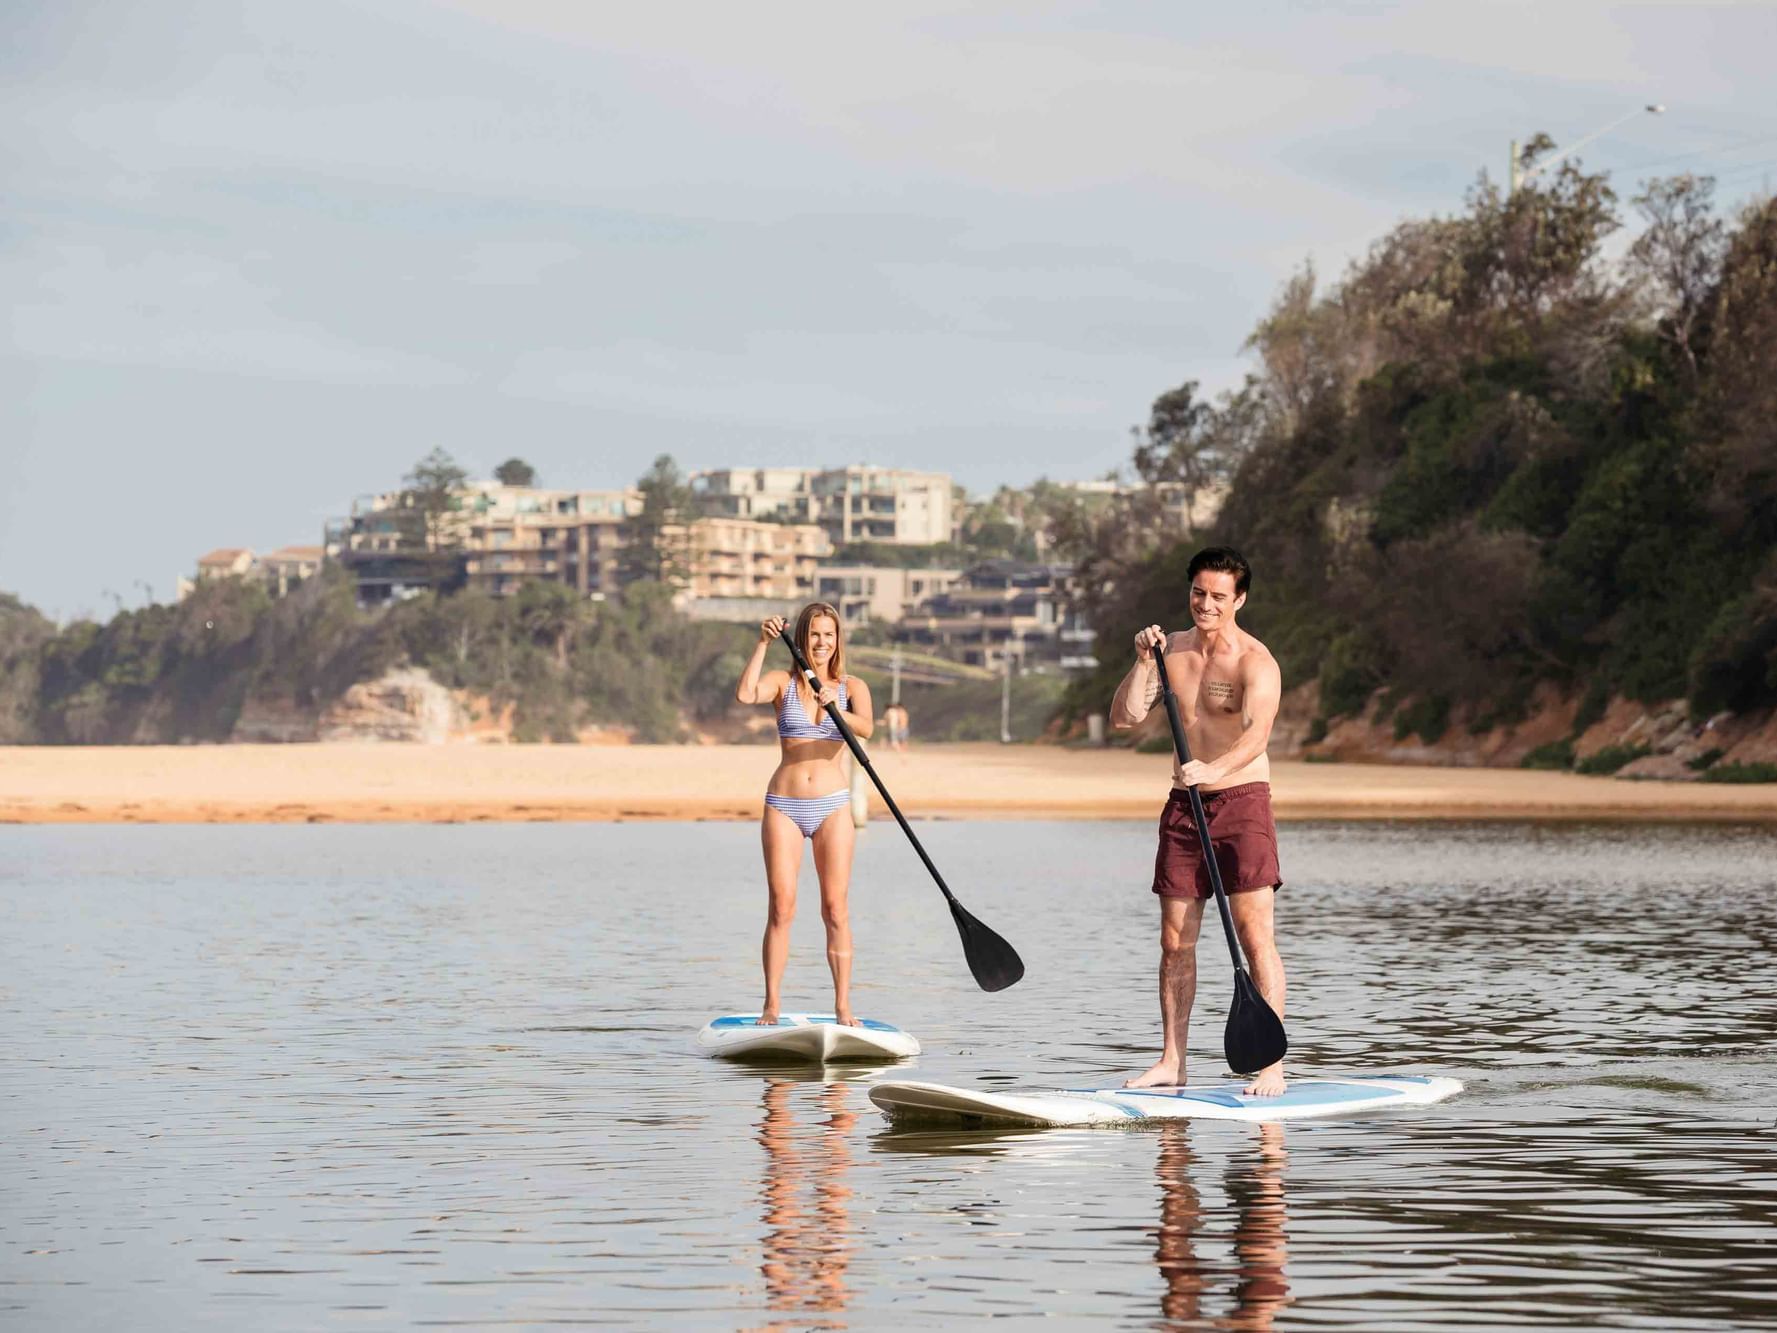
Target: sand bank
point(372, 783)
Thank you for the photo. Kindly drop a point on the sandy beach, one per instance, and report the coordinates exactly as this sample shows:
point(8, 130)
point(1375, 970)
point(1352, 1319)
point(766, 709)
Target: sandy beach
point(380, 783)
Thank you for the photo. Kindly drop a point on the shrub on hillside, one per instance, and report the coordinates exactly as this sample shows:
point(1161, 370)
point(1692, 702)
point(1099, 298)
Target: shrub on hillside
point(1610, 759)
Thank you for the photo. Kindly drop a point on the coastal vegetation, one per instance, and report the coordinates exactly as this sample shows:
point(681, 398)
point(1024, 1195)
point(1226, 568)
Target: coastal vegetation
point(1491, 456)
point(1501, 452)
point(184, 672)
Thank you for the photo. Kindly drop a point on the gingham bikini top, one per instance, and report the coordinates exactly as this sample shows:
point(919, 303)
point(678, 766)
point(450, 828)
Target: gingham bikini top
point(797, 727)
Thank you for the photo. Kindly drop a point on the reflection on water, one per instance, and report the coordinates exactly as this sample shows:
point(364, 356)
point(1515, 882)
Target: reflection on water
point(284, 1078)
point(1181, 1219)
point(1258, 1286)
point(1262, 1240)
point(803, 1201)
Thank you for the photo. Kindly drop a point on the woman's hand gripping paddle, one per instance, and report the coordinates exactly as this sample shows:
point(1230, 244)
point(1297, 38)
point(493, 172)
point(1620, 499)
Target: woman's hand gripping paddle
point(995, 963)
point(1254, 1038)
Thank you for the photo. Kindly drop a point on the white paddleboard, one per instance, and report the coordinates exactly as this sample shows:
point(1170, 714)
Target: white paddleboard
point(804, 1037)
point(934, 1103)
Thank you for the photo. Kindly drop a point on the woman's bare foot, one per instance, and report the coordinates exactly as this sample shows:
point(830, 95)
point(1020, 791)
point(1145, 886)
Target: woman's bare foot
point(1163, 1074)
point(1266, 1083)
point(767, 1018)
point(845, 1016)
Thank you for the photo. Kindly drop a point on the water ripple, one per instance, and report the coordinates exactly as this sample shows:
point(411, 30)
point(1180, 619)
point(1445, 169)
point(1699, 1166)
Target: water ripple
point(416, 1075)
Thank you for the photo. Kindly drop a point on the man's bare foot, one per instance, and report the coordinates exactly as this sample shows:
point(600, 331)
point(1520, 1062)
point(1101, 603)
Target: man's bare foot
point(767, 1019)
point(1163, 1074)
point(846, 1017)
point(1266, 1083)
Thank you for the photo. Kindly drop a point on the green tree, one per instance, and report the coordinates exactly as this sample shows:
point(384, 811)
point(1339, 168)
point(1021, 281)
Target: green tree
point(1737, 417)
point(430, 500)
point(515, 472)
point(1190, 445)
point(657, 540)
point(23, 632)
point(429, 527)
point(999, 526)
point(1679, 255)
point(549, 613)
point(313, 644)
point(1488, 457)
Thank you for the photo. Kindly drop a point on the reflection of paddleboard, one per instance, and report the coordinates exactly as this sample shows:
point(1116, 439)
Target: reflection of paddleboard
point(933, 1103)
point(804, 1037)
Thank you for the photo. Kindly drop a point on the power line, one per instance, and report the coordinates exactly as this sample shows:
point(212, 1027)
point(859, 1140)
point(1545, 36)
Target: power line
point(1749, 169)
point(1735, 146)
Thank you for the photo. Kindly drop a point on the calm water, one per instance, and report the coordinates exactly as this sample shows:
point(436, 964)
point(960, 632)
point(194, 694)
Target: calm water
point(284, 1078)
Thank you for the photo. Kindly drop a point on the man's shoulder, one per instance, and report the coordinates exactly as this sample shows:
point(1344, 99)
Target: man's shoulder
point(1255, 656)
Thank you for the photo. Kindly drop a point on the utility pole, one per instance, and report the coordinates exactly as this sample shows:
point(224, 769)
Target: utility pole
point(1006, 698)
point(895, 674)
point(1517, 173)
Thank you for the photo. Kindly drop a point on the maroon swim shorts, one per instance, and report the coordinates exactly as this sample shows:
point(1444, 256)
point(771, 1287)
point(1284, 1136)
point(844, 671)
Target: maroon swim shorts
point(1240, 829)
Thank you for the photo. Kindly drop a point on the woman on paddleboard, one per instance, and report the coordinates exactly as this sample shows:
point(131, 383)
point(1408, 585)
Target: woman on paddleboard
point(808, 797)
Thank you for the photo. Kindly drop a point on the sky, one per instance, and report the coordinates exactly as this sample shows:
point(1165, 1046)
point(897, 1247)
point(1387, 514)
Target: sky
point(260, 257)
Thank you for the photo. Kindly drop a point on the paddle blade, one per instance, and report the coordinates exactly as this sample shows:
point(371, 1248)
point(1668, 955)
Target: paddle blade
point(1254, 1037)
point(995, 963)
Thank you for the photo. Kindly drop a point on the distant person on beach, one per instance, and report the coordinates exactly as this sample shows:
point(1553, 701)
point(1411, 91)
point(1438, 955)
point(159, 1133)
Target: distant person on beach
point(809, 796)
point(895, 718)
point(1228, 688)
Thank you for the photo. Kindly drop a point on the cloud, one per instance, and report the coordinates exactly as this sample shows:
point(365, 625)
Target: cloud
point(963, 235)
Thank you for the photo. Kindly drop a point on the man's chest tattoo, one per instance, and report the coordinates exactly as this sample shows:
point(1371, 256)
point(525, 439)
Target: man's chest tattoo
point(1221, 691)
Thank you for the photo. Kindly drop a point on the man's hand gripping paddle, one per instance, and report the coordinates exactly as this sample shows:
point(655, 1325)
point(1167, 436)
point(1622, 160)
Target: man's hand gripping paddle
point(995, 963)
point(1254, 1038)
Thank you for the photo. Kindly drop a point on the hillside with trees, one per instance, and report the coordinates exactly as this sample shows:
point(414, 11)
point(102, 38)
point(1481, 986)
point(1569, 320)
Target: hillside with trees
point(1511, 455)
point(186, 672)
point(1490, 457)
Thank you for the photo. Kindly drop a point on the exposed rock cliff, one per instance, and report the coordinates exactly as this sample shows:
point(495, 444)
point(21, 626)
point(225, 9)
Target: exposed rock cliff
point(403, 705)
point(1666, 742)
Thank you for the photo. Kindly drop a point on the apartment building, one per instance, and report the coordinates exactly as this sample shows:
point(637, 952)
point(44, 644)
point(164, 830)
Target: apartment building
point(496, 539)
point(519, 534)
point(780, 493)
point(226, 562)
point(857, 503)
point(879, 594)
point(1004, 612)
point(377, 544)
point(746, 569)
point(280, 571)
point(288, 566)
point(862, 503)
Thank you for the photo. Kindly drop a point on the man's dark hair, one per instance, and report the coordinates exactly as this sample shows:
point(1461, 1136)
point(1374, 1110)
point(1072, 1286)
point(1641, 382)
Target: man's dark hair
point(1221, 560)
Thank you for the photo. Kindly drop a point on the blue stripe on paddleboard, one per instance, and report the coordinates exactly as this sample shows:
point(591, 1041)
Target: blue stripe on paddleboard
point(751, 1020)
point(1132, 1112)
point(1296, 1095)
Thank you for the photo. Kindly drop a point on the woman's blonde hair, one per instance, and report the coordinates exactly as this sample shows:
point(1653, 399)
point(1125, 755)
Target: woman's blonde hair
point(805, 623)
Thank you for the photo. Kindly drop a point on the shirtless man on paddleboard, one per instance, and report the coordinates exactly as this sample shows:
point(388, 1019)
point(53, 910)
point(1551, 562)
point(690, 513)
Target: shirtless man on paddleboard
point(1228, 688)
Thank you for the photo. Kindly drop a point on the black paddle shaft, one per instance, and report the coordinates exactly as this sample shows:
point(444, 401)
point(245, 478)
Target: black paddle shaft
point(1184, 756)
point(994, 963)
point(864, 759)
